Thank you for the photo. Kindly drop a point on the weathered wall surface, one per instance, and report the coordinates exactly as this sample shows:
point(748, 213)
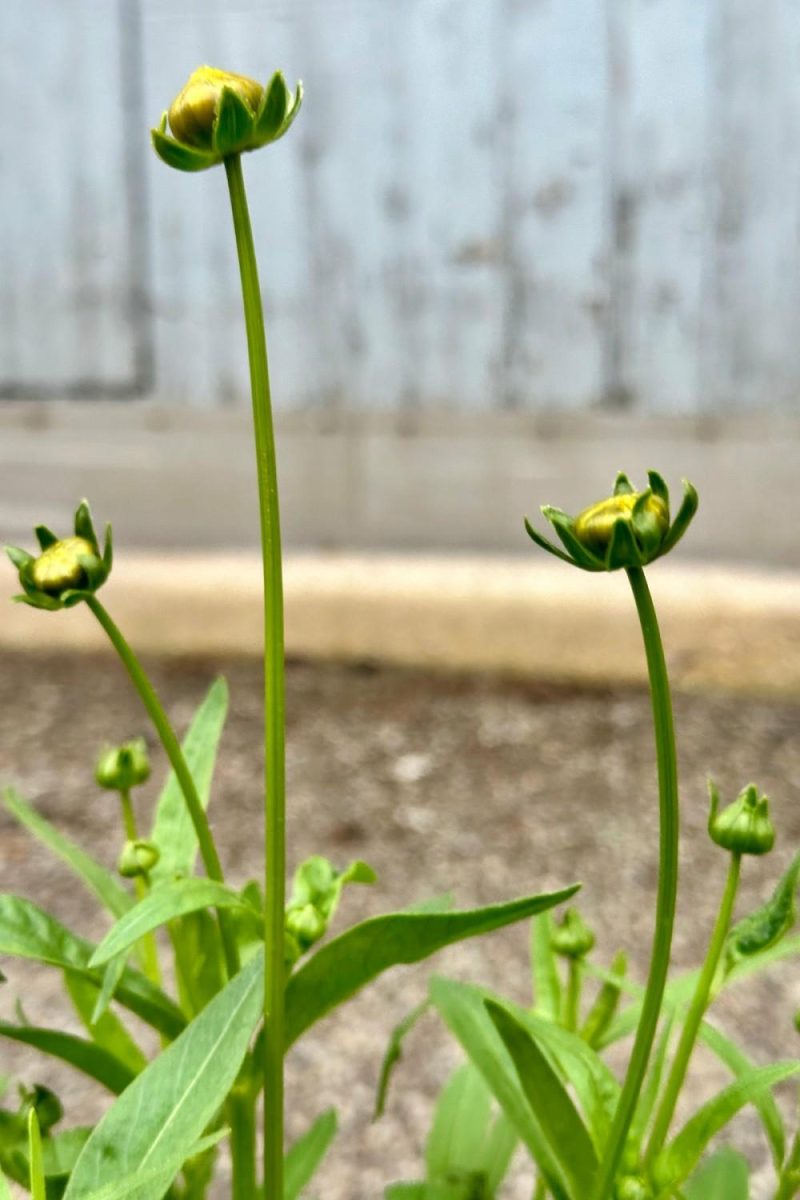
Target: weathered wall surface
point(486, 204)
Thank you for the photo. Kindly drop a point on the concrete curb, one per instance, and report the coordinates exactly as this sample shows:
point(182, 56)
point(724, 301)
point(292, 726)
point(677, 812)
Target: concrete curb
point(723, 628)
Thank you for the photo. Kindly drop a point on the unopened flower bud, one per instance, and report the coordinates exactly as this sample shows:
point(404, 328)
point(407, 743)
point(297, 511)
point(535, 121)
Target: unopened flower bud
point(121, 768)
point(744, 827)
point(137, 858)
point(572, 938)
point(594, 527)
point(194, 110)
point(67, 570)
point(60, 566)
point(306, 925)
point(219, 114)
point(49, 1109)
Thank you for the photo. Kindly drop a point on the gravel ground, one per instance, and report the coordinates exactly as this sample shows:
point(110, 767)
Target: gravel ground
point(490, 787)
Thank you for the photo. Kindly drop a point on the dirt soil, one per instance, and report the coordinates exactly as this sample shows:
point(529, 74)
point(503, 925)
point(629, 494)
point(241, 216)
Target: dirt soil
point(490, 787)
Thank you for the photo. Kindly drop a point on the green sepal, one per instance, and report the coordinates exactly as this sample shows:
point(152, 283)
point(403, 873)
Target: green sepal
point(176, 154)
point(38, 600)
point(658, 487)
point(20, 558)
point(74, 596)
point(646, 526)
point(622, 549)
point(275, 106)
point(564, 526)
point(683, 518)
point(44, 536)
point(84, 525)
point(233, 124)
point(542, 541)
point(623, 485)
point(288, 120)
point(108, 550)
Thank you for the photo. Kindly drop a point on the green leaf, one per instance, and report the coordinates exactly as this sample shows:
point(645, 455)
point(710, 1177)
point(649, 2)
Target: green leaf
point(60, 1151)
point(35, 1165)
point(601, 1013)
point(460, 1124)
point(724, 1176)
point(305, 1155)
point(27, 931)
point(677, 1161)
point(96, 878)
point(173, 831)
point(464, 1012)
point(652, 1082)
point(345, 964)
point(108, 1032)
point(546, 982)
point(5, 1191)
point(394, 1052)
point(85, 1056)
point(769, 923)
point(154, 1181)
point(112, 975)
point(199, 960)
point(739, 1064)
point(163, 904)
point(558, 1117)
point(165, 1110)
point(498, 1152)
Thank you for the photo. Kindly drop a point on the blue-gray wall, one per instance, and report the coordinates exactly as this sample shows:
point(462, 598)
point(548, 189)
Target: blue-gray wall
point(486, 204)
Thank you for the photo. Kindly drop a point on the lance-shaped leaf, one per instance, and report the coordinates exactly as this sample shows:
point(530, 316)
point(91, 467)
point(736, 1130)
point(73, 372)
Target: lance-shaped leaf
point(557, 1115)
point(344, 965)
point(173, 831)
point(85, 1056)
point(725, 1176)
point(27, 931)
point(162, 1114)
point(544, 968)
point(305, 1155)
point(94, 876)
point(678, 1160)
point(161, 905)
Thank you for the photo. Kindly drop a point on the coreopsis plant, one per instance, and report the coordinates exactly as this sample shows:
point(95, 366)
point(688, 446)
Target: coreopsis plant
point(243, 972)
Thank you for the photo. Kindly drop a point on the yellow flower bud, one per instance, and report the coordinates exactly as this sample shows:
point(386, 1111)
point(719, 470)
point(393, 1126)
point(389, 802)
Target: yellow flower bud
point(194, 110)
point(595, 525)
point(59, 566)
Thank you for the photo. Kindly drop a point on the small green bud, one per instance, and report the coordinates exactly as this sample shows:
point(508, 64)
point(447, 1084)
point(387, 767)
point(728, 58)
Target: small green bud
point(121, 768)
point(49, 1109)
point(744, 827)
point(572, 937)
point(67, 570)
point(219, 114)
point(306, 925)
point(632, 1187)
point(291, 950)
point(627, 529)
point(137, 858)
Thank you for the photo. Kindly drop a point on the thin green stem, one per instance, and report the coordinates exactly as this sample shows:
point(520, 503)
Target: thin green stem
point(540, 1191)
point(574, 981)
point(695, 1014)
point(242, 1118)
point(667, 882)
point(274, 704)
point(789, 1183)
point(172, 748)
point(148, 947)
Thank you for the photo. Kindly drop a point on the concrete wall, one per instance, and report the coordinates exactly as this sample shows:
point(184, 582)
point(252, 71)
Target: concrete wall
point(486, 204)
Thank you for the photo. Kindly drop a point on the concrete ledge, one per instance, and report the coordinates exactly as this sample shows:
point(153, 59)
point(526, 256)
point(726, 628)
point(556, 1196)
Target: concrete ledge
point(729, 629)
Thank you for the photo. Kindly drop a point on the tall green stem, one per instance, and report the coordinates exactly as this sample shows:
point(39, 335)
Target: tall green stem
point(694, 1016)
point(149, 949)
point(274, 705)
point(789, 1184)
point(667, 882)
point(172, 748)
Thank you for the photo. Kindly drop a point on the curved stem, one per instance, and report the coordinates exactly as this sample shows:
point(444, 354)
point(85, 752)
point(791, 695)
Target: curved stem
point(667, 882)
point(274, 705)
point(695, 1014)
point(172, 748)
